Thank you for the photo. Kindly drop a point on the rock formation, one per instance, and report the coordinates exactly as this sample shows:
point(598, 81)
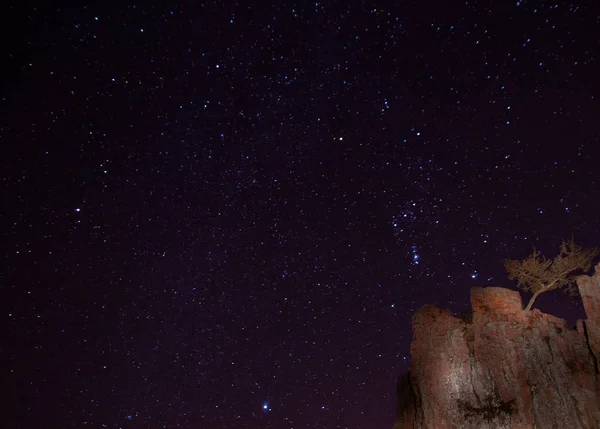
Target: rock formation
point(503, 368)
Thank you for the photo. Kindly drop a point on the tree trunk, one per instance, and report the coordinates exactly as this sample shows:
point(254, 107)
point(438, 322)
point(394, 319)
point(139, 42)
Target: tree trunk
point(530, 303)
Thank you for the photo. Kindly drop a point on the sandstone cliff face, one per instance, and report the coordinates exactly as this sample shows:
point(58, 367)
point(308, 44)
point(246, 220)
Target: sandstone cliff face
point(505, 368)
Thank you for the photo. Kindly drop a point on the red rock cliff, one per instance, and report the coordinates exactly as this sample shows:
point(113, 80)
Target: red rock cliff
point(505, 368)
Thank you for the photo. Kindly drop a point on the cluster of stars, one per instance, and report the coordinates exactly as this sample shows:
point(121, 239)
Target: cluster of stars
point(218, 213)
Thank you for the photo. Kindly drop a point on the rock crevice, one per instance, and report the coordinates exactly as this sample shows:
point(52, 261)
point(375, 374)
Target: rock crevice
point(504, 368)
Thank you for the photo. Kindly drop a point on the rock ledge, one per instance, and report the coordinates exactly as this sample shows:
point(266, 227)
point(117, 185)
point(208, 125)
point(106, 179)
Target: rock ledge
point(504, 368)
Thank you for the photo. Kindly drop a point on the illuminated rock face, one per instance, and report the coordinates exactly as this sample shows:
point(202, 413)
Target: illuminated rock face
point(589, 289)
point(504, 368)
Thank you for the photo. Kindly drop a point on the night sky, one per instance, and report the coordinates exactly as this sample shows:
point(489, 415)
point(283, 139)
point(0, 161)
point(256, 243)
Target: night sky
point(225, 214)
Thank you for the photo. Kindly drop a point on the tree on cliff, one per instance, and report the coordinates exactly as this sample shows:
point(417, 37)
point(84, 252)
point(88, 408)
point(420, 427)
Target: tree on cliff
point(538, 274)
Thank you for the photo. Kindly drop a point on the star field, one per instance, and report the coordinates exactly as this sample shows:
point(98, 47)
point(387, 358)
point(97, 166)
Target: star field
point(225, 214)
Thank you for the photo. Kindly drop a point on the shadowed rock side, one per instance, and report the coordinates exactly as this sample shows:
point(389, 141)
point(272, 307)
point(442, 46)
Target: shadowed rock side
point(505, 368)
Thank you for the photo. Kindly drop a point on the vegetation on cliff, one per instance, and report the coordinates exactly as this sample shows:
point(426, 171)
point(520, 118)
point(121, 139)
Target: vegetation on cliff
point(538, 274)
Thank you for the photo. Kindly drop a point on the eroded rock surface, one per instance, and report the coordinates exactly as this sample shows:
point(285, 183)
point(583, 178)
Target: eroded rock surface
point(504, 368)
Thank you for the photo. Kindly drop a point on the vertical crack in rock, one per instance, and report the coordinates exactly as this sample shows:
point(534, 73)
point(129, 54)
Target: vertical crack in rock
point(415, 405)
point(477, 398)
point(532, 394)
point(589, 346)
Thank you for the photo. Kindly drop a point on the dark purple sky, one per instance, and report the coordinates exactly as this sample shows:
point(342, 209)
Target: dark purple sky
point(224, 216)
